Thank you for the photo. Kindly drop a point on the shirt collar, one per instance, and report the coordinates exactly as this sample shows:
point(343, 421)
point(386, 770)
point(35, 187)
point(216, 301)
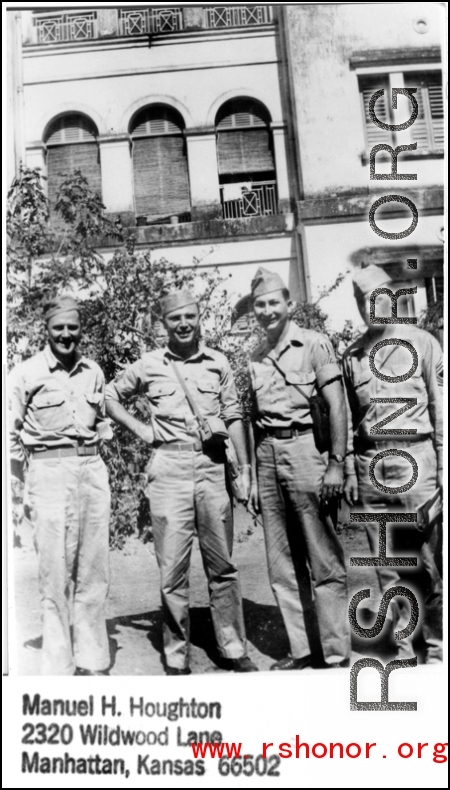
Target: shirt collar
point(295, 337)
point(54, 363)
point(203, 351)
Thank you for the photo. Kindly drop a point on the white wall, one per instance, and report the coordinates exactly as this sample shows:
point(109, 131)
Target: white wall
point(111, 81)
point(322, 39)
point(330, 249)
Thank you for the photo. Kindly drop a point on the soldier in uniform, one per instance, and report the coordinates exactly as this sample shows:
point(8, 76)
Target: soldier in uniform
point(425, 446)
point(295, 482)
point(186, 479)
point(57, 420)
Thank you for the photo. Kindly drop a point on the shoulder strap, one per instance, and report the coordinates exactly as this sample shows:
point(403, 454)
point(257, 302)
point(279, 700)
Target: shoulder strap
point(297, 386)
point(188, 395)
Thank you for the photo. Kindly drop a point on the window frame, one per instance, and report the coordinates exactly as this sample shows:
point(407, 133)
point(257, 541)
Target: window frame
point(398, 73)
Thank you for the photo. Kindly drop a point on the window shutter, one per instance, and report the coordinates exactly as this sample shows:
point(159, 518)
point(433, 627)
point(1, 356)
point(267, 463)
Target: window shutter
point(66, 159)
point(155, 120)
point(428, 128)
point(419, 129)
point(161, 182)
point(375, 135)
point(240, 114)
point(436, 99)
point(244, 151)
point(71, 129)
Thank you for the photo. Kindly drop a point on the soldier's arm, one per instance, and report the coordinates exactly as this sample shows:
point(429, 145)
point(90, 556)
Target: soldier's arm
point(351, 492)
point(121, 389)
point(254, 495)
point(17, 406)
point(103, 424)
point(333, 481)
point(433, 373)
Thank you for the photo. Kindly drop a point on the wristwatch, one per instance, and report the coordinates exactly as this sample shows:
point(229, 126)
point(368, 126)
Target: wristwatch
point(338, 458)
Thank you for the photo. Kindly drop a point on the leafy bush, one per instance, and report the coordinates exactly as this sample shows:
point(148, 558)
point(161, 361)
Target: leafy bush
point(120, 300)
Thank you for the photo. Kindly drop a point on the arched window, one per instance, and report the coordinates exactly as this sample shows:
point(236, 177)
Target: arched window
point(72, 145)
point(245, 159)
point(161, 181)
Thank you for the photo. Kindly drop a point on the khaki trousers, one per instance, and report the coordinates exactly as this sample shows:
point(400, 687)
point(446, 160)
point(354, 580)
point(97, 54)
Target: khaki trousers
point(425, 580)
point(187, 493)
point(69, 506)
point(304, 556)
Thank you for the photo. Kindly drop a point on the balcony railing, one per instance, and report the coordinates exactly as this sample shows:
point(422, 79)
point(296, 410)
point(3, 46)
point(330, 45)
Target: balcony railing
point(237, 16)
point(54, 28)
point(259, 201)
point(133, 22)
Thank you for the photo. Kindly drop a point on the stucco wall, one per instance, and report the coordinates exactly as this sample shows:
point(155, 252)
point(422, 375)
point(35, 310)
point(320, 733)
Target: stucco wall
point(329, 123)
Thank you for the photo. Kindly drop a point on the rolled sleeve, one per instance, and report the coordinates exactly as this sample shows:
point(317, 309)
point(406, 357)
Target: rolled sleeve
point(324, 361)
point(126, 385)
point(230, 408)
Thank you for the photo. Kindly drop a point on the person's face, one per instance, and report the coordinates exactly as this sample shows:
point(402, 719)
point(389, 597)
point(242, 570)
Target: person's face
point(64, 334)
point(182, 326)
point(383, 305)
point(272, 311)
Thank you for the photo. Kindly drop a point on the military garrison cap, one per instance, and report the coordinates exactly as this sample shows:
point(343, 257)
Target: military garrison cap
point(367, 278)
point(177, 299)
point(59, 304)
point(265, 282)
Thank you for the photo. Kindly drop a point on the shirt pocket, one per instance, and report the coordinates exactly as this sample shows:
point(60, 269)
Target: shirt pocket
point(300, 387)
point(165, 397)
point(208, 394)
point(50, 411)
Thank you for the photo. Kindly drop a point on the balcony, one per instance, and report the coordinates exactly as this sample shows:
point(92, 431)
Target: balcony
point(236, 16)
point(52, 28)
point(55, 28)
point(258, 200)
point(135, 22)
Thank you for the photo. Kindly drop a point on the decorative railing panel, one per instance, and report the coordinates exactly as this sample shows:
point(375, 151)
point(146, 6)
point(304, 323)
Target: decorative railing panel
point(53, 29)
point(237, 16)
point(136, 21)
point(259, 201)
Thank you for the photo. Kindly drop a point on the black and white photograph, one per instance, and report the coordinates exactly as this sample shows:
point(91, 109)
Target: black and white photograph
point(224, 382)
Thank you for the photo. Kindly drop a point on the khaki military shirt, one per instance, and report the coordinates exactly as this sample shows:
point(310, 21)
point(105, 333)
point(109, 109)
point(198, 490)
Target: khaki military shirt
point(425, 384)
point(208, 376)
point(50, 406)
point(307, 359)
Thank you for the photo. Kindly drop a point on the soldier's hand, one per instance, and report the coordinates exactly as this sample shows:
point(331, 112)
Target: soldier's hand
point(245, 474)
point(146, 433)
point(253, 502)
point(333, 481)
point(351, 492)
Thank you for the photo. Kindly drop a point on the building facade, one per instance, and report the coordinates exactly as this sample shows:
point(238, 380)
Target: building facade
point(239, 135)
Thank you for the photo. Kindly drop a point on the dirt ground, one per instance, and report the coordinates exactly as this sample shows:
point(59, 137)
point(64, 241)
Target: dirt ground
point(134, 615)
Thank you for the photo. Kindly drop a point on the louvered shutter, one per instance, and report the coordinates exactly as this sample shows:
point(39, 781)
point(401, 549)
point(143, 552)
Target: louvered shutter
point(67, 158)
point(161, 182)
point(428, 128)
point(420, 127)
point(436, 99)
point(244, 151)
point(375, 135)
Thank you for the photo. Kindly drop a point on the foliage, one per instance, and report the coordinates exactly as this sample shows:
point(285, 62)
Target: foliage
point(121, 309)
point(120, 300)
point(432, 319)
